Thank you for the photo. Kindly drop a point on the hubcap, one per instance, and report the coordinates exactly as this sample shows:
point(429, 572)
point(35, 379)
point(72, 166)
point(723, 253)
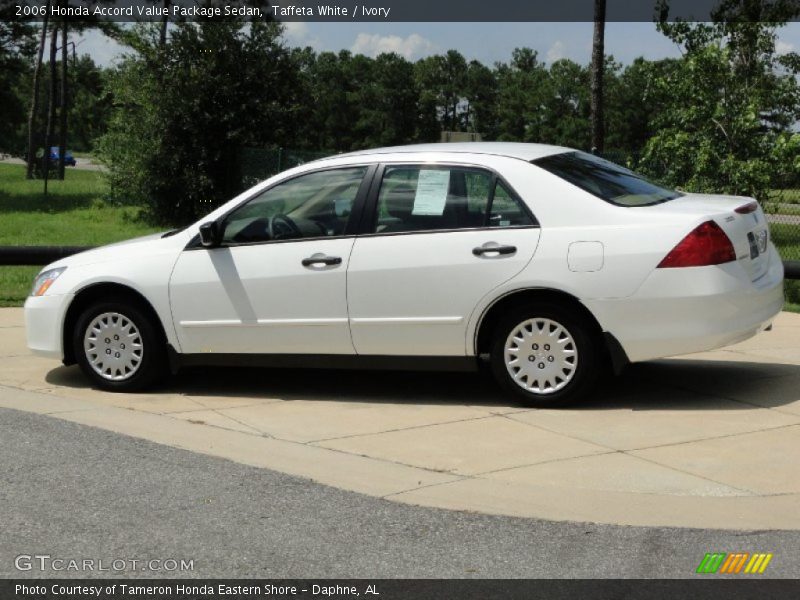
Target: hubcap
point(541, 356)
point(113, 346)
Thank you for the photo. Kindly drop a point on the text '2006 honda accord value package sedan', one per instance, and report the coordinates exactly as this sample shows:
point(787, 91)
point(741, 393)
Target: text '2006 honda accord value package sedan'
point(549, 263)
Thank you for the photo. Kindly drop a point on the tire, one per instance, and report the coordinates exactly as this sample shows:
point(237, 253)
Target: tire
point(119, 347)
point(546, 374)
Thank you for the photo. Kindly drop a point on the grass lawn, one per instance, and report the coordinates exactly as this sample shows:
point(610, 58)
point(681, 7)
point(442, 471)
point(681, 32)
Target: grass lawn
point(782, 209)
point(789, 196)
point(73, 214)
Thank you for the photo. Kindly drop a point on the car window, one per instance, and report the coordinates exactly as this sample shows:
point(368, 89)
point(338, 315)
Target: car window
point(506, 211)
point(605, 179)
point(314, 205)
point(423, 198)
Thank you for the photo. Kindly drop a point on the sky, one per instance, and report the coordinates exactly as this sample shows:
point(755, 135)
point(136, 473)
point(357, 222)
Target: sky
point(486, 42)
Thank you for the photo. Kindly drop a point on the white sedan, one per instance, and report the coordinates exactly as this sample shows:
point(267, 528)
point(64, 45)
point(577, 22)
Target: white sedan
point(549, 263)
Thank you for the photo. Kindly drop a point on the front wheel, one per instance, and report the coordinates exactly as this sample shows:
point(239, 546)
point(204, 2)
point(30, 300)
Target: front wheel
point(545, 355)
point(118, 347)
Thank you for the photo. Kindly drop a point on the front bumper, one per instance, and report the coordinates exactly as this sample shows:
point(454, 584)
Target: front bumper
point(44, 324)
point(681, 311)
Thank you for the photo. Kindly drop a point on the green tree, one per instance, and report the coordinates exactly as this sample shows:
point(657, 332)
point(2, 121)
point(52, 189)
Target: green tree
point(184, 110)
point(428, 77)
point(566, 106)
point(521, 95)
point(733, 101)
point(333, 83)
point(17, 48)
point(443, 81)
point(634, 98)
point(388, 102)
point(481, 93)
point(90, 104)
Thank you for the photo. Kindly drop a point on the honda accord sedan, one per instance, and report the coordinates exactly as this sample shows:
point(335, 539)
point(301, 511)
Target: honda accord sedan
point(547, 263)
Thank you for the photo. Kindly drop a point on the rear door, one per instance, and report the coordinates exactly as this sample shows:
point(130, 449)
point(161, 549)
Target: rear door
point(438, 238)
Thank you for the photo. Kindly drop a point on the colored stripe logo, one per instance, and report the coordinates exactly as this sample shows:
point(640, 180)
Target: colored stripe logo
point(734, 563)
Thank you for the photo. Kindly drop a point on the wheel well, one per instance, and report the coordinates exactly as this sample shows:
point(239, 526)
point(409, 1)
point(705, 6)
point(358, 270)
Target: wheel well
point(521, 298)
point(102, 291)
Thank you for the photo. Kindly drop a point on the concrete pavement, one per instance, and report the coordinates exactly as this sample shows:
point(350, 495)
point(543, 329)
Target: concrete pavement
point(711, 440)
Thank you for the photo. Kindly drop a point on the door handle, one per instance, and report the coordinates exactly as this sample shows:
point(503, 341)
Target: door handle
point(492, 248)
point(321, 259)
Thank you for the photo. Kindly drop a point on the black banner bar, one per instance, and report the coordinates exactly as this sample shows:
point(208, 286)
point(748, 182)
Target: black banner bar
point(391, 11)
point(705, 586)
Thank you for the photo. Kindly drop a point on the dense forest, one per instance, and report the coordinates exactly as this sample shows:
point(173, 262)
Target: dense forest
point(171, 118)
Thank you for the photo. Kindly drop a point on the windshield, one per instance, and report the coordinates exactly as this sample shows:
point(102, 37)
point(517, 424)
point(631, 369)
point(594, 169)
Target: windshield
point(605, 179)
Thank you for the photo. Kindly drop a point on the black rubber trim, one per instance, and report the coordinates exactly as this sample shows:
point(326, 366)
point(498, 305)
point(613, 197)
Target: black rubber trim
point(619, 358)
point(174, 359)
point(328, 361)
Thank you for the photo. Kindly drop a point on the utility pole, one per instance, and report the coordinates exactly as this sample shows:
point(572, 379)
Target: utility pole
point(164, 24)
point(34, 108)
point(598, 67)
point(62, 141)
point(51, 105)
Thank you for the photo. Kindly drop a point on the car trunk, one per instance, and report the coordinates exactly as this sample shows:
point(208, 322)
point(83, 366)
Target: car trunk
point(748, 232)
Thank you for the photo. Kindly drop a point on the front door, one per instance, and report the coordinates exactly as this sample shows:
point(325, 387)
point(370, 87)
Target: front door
point(277, 283)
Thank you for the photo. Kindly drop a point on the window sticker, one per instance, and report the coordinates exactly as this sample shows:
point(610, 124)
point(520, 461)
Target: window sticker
point(431, 196)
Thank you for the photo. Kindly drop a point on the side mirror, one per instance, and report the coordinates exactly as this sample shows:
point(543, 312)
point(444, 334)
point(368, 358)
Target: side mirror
point(209, 234)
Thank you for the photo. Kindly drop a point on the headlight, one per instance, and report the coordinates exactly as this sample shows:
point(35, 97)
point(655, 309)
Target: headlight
point(44, 280)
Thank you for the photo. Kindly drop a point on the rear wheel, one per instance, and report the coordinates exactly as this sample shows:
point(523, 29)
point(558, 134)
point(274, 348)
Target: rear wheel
point(119, 347)
point(546, 355)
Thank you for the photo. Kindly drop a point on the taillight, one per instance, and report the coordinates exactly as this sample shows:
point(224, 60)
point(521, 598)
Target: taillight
point(748, 208)
point(706, 245)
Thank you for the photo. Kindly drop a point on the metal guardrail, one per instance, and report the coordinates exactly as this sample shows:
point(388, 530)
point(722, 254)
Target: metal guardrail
point(42, 255)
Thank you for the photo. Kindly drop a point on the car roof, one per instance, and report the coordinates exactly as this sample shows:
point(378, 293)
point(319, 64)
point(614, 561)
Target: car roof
point(522, 151)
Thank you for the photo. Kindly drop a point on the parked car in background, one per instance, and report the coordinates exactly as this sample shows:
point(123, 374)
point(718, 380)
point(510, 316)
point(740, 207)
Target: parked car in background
point(548, 263)
point(69, 160)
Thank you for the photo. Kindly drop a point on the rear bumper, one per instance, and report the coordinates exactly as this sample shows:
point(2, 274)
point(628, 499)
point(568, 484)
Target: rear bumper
point(680, 311)
point(44, 323)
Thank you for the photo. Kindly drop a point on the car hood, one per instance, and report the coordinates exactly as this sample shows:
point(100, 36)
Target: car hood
point(127, 250)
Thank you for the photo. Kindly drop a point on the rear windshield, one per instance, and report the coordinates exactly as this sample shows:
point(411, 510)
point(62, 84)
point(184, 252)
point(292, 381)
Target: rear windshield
point(605, 179)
